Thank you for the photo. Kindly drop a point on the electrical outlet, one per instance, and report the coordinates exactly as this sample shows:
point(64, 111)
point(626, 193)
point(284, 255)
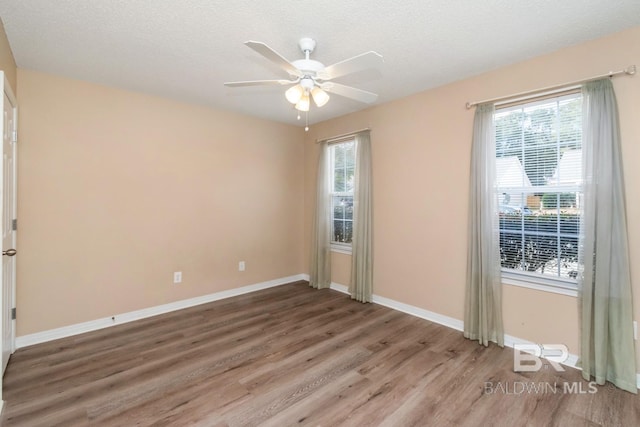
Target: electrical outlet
point(177, 277)
point(241, 266)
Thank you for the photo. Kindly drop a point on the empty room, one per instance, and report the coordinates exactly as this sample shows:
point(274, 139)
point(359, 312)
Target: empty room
point(328, 213)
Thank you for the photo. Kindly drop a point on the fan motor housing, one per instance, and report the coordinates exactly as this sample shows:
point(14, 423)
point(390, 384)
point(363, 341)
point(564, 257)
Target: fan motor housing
point(308, 66)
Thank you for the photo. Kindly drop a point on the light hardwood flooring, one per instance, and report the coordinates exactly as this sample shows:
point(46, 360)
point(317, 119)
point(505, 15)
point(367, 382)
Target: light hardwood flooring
point(292, 355)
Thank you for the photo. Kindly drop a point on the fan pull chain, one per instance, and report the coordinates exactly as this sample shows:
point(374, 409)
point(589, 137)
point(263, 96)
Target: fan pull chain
point(306, 127)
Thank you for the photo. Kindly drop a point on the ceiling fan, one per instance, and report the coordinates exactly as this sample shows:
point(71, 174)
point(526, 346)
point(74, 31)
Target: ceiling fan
point(311, 79)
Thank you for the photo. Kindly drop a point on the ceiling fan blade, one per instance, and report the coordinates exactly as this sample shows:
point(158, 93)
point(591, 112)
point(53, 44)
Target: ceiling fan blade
point(350, 92)
point(261, 83)
point(361, 62)
point(274, 57)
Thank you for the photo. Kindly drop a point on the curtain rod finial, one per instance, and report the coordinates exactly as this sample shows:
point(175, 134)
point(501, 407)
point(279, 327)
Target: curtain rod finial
point(631, 70)
point(469, 106)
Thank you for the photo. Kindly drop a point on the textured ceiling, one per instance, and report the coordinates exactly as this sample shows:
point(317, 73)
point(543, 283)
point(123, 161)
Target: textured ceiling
point(186, 49)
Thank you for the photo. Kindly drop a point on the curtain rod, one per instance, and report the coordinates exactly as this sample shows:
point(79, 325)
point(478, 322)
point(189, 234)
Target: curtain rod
point(333, 138)
point(631, 70)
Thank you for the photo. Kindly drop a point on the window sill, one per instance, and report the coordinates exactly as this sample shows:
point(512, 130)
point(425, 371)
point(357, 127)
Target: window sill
point(546, 285)
point(341, 249)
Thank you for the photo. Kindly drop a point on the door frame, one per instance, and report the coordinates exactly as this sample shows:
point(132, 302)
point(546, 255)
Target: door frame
point(7, 90)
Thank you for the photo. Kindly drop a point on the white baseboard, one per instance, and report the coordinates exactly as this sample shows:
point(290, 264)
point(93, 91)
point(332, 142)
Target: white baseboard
point(509, 340)
point(409, 309)
point(40, 337)
point(118, 319)
point(450, 322)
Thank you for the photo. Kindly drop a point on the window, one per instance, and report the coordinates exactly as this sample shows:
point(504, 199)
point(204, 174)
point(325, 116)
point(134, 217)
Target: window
point(342, 167)
point(539, 184)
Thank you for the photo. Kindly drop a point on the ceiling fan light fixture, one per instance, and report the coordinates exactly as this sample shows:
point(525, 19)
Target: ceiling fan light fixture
point(320, 97)
point(294, 94)
point(309, 78)
point(303, 104)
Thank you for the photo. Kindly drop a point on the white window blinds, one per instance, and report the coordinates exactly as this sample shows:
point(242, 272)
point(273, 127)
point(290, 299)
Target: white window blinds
point(342, 166)
point(539, 184)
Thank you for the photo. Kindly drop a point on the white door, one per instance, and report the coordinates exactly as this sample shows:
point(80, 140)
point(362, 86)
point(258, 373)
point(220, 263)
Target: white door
point(8, 166)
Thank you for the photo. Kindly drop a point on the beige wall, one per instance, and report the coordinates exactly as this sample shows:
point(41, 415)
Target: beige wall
point(7, 62)
point(421, 149)
point(117, 190)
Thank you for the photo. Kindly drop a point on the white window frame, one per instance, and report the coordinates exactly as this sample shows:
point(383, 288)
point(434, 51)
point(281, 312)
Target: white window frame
point(525, 279)
point(339, 247)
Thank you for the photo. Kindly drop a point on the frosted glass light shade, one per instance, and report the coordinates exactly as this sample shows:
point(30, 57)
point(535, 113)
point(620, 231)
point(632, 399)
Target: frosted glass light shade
point(294, 94)
point(303, 104)
point(320, 97)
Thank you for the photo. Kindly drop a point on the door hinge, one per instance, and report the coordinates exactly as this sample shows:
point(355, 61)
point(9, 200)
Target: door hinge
point(14, 224)
point(14, 136)
point(13, 313)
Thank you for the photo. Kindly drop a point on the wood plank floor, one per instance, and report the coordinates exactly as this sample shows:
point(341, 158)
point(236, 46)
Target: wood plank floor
point(292, 355)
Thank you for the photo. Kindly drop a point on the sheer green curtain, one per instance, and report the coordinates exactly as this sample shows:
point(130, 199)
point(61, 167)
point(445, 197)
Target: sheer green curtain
point(607, 345)
point(483, 297)
point(320, 265)
point(361, 285)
